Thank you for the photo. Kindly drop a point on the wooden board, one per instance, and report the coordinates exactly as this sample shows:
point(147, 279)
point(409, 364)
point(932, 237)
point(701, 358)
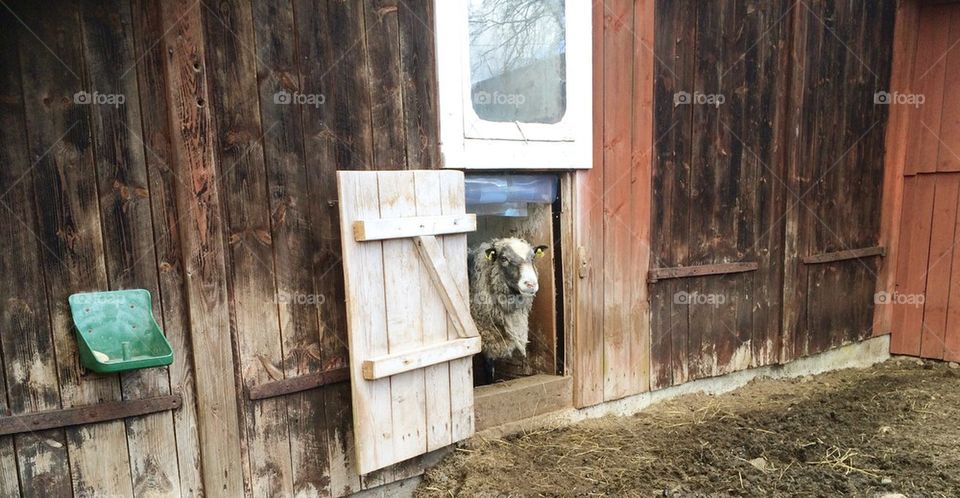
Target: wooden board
point(918, 200)
point(200, 229)
point(69, 229)
point(125, 210)
point(388, 310)
point(520, 399)
point(27, 342)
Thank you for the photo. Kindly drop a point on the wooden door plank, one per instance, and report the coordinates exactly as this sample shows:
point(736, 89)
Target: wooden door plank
point(928, 80)
point(674, 45)
point(27, 343)
point(906, 33)
point(452, 201)
point(127, 225)
point(201, 235)
point(948, 157)
point(424, 357)
point(455, 302)
point(294, 242)
point(620, 310)
point(401, 268)
point(234, 97)
point(155, 138)
point(418, 84)
point(434, 312)
point(587, 359)
point(641, 157)
point(70, 230)
point(413, 226)
point(363, 266)
point(382, 38)
point(912, 272)
point(942, 244)
point(337, 135)
point(951, 340)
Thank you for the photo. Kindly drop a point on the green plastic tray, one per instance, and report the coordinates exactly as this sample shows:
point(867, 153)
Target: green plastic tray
point(116, 331)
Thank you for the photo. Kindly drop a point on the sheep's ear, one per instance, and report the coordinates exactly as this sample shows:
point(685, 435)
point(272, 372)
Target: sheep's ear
point(491, 253)
point(539, 251)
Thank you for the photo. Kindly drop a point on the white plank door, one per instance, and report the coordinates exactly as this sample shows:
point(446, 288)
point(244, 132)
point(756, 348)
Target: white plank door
point(410, 331)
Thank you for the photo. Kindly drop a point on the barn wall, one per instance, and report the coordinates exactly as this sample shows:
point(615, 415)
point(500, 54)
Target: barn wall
point(925, 300)
point(221, 200)
point(765, 192)
point(786, 172)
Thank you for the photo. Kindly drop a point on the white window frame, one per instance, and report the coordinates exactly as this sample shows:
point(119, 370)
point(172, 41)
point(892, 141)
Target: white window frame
point(468, 142)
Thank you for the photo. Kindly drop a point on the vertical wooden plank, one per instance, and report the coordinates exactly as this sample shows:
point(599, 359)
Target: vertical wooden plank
point(766, 118)
point(433, 315)
point(229, 46)
point(452, 201)
point(912, 270)
point(381, 30)
point(642, 179)
point(674, 45)
point(942, 244)
point(127, 225)
point(363, 266)
point(928, 80)
point(9, 480)
point(163, 182)
point(906, 33)
point(418, 84)
point(66, 198)
point(294, 243)
point(620, 319)
point(951, 340)
point(948, 156)
point(404, 329)
point(29, 370)
point(794, 275)
point(588, 315)
point(337, 135)
point(201, 235)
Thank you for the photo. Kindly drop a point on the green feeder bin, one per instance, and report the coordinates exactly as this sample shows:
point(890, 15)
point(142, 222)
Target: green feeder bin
point(116, 331)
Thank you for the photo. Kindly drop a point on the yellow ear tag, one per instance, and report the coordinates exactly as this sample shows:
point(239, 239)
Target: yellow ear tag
point(491, 255)
point(539, 252)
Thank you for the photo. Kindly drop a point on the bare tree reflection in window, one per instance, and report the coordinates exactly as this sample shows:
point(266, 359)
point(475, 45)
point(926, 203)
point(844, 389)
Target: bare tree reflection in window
point(518, 60)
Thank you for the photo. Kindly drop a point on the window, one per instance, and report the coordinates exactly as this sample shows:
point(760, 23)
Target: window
point(515, 83)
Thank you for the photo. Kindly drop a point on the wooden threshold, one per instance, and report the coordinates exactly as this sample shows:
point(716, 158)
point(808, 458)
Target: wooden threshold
point(658, 274)
point(830, 257)
point(296, 384)
point(103, 412)
point(519, 399)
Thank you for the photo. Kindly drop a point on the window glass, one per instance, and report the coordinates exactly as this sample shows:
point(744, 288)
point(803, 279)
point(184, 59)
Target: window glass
point(518, 60)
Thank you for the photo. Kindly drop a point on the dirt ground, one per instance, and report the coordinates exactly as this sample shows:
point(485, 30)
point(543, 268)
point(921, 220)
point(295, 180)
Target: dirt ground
point(893, 428)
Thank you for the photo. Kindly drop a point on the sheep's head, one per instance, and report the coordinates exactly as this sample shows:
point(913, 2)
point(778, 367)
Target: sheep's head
point(512, 261)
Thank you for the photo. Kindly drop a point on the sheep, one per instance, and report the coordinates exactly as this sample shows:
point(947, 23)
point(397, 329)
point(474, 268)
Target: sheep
point(503, 283)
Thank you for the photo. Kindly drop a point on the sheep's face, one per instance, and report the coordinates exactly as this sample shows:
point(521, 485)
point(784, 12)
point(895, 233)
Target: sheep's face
point(513, 260)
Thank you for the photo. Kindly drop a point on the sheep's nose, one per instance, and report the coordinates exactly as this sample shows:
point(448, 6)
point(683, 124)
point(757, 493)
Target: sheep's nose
point(530, 285)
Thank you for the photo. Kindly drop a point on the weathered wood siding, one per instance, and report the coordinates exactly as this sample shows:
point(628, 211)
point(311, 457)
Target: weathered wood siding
point(925, 299)
point(212, 187)
point(788, 166)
